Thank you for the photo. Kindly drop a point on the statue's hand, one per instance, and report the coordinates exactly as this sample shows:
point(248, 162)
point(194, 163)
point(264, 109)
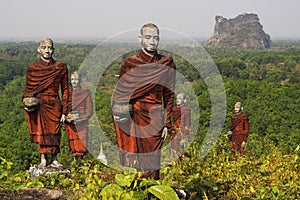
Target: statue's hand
point(164, 133)
point(63, 118)
point(243, 144)
point(28, 109)
point(120, 119)
point(77, 120)
point(69, 118)
point(229, 135)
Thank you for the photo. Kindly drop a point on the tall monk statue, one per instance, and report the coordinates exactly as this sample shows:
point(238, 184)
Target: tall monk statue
point(81, 110)
point(44, 109)
point(142, 104)
point(238, 131)
point(181, 118)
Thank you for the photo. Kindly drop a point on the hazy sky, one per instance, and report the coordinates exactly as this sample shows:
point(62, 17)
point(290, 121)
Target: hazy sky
point(71, 19)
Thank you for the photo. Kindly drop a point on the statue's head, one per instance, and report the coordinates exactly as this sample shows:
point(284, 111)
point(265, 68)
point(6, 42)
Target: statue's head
point(238, 107)
point(75, 79)
point(46, 48)
point(149, 37)
point(180, 99)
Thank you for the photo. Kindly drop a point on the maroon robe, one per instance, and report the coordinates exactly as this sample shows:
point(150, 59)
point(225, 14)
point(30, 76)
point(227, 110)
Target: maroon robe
point(43, 80)
point(146, 82)
point(181, 124)
point(80, 100)
point(240, 131)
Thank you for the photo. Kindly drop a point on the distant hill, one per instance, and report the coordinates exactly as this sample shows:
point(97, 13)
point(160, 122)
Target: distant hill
point(244, 31)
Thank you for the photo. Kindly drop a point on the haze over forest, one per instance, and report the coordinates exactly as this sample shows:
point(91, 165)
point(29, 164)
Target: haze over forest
point(95, 20)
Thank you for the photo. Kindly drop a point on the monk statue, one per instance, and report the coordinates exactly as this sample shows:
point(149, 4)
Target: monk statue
point(238, 131)
point(181, 118)
point(142, 104)
point(81, 110)
point(45, 112)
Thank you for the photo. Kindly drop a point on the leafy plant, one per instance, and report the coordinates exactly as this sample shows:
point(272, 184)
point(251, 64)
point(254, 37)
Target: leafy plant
point(128, 186)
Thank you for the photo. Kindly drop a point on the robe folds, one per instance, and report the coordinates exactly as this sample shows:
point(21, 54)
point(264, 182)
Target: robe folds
point(43, 80)
point(181, 118)
point(80, 100)
point(147, 83)
point(240, 131)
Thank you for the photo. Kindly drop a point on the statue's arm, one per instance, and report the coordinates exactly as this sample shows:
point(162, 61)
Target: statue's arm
point(64, 91)
point(89, 108)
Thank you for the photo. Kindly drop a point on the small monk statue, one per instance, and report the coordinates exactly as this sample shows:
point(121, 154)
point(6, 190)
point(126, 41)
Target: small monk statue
point(238, 131)
point(181, 118)
point(81, 110)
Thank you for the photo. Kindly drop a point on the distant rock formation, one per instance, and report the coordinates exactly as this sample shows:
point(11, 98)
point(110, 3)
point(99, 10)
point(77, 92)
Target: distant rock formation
point(244, 31)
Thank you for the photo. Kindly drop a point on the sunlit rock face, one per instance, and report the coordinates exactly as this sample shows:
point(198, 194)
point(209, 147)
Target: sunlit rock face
point(244, 31)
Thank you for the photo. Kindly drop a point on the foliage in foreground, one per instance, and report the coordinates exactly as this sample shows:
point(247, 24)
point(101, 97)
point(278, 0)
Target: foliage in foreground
point(128, 186)
point(264, 173)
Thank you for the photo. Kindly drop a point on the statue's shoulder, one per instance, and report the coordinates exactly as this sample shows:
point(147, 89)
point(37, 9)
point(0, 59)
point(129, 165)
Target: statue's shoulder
point(176, 109)
point(186, 109)
point(86, 91)
point(133, 57)
point(60, 64)
point(165, 57)
point(168, 57)
point(33, 64)
point(244, 116)
point(132, 61)
point(167, 60)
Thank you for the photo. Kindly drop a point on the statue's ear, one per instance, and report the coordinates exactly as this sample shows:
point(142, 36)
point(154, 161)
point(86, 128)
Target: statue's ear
point(39, 50)
point(140, 39)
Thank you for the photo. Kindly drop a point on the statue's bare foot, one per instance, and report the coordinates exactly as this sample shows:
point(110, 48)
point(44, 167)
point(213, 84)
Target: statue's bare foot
point(42, 164)
point(56, 164)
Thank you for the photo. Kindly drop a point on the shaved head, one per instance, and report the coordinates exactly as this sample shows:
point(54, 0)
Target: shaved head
point(45, 41)
point(149, 25)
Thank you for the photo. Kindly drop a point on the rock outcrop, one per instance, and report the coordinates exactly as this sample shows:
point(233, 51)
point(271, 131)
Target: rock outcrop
point(40, 194)
point(244, 31)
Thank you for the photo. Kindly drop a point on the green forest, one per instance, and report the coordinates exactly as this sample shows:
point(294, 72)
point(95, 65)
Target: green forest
point(266, 81)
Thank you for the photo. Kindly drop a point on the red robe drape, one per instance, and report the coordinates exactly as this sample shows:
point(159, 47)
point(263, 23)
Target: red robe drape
point(147, 82)
point(240, 131)
point(43, 80)
point(181, 124)
point(80, 100)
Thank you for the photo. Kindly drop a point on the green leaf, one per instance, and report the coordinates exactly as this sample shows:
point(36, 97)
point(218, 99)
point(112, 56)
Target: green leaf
point(163, 192)
point(275, 189)
point(124, 181)
point(143, 183)
point(126, 196)
point(138, 195)
point(110, 191)
point(17, 179)
point(18, 186)
point(120, 180)
point(36, 184)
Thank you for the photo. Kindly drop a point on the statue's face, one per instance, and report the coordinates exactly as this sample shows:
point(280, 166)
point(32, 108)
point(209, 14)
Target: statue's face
point(237, 108)
point(75, 80)
point(149, 39)
point(46, 49)
point(180, 100)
